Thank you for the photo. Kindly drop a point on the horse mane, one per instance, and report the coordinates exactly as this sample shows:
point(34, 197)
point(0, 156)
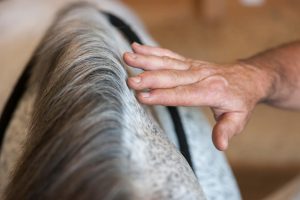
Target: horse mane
point(81, 86)
point(87, 124)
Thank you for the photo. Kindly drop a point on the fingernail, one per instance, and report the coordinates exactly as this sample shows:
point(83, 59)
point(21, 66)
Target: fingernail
point(145, 94)
point(136, 79)
point(132, 55)
point(137, 44)
point(225, 141)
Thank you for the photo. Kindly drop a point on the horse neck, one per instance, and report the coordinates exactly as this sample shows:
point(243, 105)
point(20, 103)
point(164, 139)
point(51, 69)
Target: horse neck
point(89, 137)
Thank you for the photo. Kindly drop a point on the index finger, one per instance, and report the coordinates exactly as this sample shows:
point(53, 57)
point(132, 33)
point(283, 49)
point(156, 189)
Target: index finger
point(150, 62)
point(155, 51)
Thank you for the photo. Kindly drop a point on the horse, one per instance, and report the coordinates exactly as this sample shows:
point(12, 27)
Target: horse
point(87, 137)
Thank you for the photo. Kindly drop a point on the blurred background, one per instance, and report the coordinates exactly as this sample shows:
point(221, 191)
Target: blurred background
point(265, 157)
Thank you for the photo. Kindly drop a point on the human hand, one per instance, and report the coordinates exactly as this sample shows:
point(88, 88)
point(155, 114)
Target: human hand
point(231, 91)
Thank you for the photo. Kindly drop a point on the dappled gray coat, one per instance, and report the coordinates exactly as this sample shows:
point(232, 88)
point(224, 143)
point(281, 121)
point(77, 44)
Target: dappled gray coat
point(88, 137)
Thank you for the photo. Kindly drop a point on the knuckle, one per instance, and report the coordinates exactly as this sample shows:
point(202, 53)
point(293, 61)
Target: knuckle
point(154, 80)
point(218, 83)
point(147, 80)
point(182, 91)
point(166, 60)
point(167, 51)
point(157, 97)
point(174, 76)
point(189, 60)
point(205, 71)
point(238, 130)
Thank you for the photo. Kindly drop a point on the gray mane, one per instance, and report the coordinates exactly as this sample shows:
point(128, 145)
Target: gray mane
point(89, 137)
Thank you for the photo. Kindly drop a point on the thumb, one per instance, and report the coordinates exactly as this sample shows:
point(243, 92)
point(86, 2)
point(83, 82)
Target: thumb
point(228, 125)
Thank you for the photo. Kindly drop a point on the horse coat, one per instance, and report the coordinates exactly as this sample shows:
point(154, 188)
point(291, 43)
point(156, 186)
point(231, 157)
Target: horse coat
point(214, 178)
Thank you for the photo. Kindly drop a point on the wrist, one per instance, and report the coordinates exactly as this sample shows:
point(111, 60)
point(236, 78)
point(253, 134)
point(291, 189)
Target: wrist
point(265, 79)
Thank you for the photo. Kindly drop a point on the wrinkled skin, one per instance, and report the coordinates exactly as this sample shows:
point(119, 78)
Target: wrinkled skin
point(231, 90)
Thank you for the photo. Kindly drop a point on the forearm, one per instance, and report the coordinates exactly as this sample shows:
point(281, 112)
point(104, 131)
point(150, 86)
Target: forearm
point(281, 75)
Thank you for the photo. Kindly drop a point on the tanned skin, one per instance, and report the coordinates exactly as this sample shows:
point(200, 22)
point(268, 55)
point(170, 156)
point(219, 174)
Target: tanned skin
point(231, 90)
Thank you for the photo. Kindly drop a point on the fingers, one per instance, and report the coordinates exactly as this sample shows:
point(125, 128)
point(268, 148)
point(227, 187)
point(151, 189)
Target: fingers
point(187, 95)
point(206, 92)
point(150, 62)
point(176, 81)
point(155, 51)
point(167, 97)
point(162, 79)
point(228, 125)
point(173, 78)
